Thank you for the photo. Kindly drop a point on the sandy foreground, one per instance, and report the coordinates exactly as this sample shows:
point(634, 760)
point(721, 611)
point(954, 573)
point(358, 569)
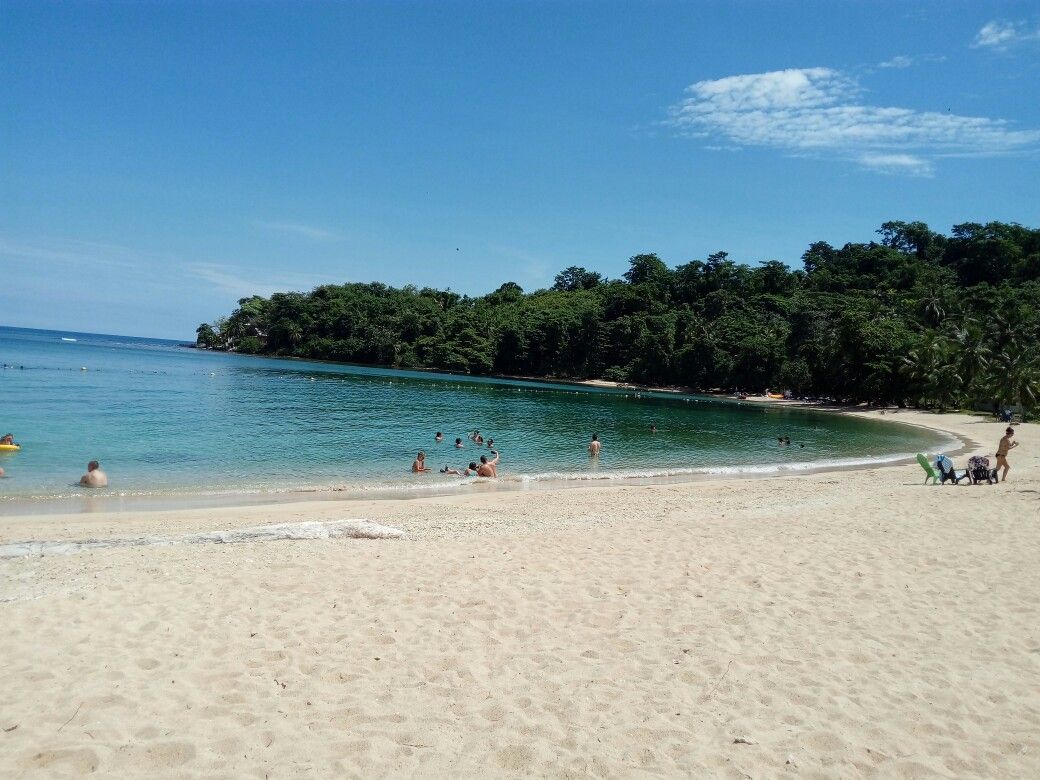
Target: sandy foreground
point(842, 624)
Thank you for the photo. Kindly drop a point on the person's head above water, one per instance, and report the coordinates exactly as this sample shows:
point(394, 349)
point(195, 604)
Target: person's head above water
point(595, 437)
point(93, 465)
point(421, 455)
point(483, 458)
point(472, 466)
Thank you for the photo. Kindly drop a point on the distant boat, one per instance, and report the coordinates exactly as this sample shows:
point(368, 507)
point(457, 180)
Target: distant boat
point(65, 339)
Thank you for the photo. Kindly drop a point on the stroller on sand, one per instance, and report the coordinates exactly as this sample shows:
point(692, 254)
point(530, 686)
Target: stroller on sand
point(978, 468)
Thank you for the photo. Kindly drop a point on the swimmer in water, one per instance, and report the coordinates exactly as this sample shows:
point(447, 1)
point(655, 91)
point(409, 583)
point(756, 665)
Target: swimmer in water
point(7, 438)
point(594, 446)
point(491, 444)
point(420, 463)
point(653, 428)
point(439, 437)
point(458, 444)
point(470, 471)
point(95, 477)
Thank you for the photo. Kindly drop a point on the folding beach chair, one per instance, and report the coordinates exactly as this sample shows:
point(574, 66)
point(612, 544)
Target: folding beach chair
point(944, 466)
point(929, 470)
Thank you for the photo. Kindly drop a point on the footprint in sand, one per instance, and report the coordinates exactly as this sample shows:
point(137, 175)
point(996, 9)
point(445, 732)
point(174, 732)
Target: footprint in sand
point(79, 761)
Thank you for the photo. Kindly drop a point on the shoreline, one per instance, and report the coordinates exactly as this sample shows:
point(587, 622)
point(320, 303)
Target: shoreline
point(100, 508)
point(16, 507)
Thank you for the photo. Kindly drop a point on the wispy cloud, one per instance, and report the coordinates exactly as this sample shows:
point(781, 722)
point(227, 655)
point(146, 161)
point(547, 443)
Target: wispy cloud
point(310, 232)
point(531, 268)
point(69, 252)
point(899, 61)
point(818, 112)
point(902, 61)
point(1001, 34)
point(230, 279)
point(896, 163)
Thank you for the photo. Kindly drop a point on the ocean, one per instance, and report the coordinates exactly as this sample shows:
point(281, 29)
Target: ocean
point(173, 425)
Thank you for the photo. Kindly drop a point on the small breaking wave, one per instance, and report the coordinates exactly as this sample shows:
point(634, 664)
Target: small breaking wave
point(754, 469)
point(333, 529)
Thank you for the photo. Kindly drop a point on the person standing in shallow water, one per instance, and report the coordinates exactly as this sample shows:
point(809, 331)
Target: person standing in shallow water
point(594, 446)
point(1007, 444)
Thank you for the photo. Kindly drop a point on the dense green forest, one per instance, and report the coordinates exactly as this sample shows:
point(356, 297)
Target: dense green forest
point(917, 318)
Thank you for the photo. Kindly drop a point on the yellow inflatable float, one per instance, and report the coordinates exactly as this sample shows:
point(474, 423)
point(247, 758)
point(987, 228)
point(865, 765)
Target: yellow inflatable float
point(10, 447)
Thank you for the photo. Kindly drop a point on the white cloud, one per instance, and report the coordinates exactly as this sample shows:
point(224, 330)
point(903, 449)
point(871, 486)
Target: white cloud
point(1000, 34)
point(817, 111)
point(896, 163)
point(229, 280)
point(899, 61)
point(310, 232)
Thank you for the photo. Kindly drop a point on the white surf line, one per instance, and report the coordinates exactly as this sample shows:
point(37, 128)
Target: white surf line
point(333, 529)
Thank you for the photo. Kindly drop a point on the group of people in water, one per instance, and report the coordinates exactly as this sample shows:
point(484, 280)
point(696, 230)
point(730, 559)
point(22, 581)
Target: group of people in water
point(487, 467)
point(94, 478)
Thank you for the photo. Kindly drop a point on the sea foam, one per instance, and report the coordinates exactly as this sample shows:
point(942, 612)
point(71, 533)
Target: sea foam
point(334, 529)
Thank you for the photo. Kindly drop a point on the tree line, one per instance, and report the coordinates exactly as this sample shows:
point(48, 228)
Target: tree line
point(914, 318)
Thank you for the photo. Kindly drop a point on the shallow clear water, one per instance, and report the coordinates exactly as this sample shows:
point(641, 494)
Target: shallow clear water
point(169, 420)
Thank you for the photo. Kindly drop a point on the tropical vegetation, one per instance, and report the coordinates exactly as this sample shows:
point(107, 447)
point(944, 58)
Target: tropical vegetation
point(913, 318)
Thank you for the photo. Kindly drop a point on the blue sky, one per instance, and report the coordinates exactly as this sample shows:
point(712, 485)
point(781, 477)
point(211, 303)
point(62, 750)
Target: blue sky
point(161, 160)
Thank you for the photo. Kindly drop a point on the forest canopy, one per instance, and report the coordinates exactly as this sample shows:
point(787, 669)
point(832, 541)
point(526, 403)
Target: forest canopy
point(916, 317)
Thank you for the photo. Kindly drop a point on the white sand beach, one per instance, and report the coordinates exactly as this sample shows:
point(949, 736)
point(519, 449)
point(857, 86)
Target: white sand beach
point(840, 624)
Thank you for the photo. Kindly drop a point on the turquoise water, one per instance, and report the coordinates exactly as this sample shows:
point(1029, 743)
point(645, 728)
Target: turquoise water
point(165, 420)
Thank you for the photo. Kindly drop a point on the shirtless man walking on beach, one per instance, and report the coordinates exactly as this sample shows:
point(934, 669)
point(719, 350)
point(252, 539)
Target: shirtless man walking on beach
point(488, 468)
point(1007, 444)
point(95, 477)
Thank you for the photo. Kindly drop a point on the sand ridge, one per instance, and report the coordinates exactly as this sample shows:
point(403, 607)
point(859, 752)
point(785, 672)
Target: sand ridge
point(844, 624)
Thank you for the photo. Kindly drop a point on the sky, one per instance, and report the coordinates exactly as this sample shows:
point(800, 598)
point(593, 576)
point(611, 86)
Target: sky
point(159, 161)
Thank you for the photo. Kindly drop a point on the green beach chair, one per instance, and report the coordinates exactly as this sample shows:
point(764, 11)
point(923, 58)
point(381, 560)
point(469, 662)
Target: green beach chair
point(929, 470)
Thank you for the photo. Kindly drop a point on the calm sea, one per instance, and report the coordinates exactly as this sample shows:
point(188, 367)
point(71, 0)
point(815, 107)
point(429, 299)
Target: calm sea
point(168, 421)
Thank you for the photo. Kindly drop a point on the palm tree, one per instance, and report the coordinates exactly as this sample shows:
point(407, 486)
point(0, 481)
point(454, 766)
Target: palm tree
point(1016, 376)
point(933, 367)
point(973, 352)
point(294, 334)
